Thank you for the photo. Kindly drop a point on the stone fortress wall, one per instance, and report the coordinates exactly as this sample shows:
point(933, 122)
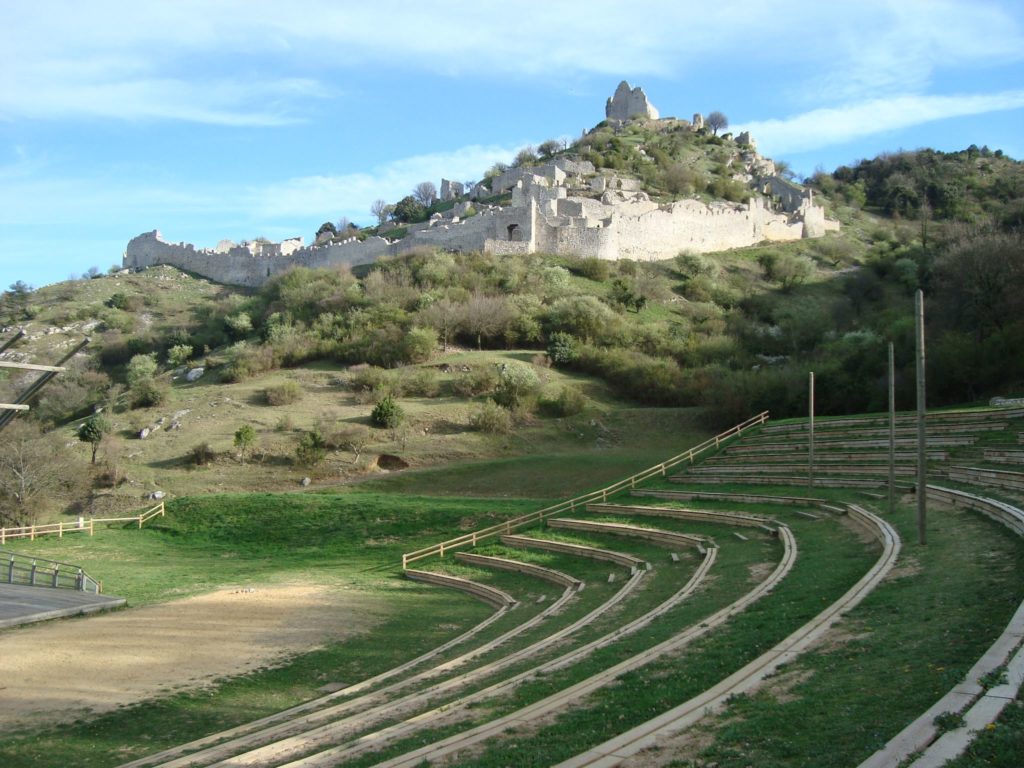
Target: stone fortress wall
point(553, 210)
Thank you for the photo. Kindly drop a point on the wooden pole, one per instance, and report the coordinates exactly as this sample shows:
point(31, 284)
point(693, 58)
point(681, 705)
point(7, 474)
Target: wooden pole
point(810, 429)
point(922, 504)
point(892, 430)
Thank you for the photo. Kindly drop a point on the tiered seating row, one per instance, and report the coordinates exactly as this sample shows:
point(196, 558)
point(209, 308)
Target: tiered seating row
point(983, 707)
point(488, 594)
point(649, 734)
point(565, 697)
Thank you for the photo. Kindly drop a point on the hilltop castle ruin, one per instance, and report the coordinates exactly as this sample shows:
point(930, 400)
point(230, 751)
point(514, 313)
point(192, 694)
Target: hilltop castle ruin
point(565, 206)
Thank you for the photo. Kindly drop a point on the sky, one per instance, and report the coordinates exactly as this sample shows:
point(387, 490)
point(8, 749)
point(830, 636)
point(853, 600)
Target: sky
point(236, 119)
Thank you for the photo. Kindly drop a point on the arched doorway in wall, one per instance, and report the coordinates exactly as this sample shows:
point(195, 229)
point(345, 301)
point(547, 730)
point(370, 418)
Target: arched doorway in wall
point(514, 235)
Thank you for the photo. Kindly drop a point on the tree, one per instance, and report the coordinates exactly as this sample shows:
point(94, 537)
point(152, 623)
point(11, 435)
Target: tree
point(327, 226)
point(549, 147)
point(31, 468)
point(444, 316)
point(525, 156)
point(486, 316)
point(380, 210)
point(516, 384)
point(311, 449)
point(716, 121)
point(387, 413)
point(425, 193)
point(245, 439)
point(179, 355)
point(92, 432)
point(408, 210)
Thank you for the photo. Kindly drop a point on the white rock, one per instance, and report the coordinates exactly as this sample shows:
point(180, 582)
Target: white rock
point(194, 375)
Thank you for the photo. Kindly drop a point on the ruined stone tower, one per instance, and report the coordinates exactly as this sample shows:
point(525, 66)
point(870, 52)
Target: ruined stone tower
point(629, 102)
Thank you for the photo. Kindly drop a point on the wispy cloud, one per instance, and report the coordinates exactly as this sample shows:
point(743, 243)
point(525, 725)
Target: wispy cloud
point(825, 127)
point(352, 193)
point(207, 62)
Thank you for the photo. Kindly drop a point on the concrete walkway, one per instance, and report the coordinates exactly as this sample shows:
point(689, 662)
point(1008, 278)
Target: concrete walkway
point(22, 604)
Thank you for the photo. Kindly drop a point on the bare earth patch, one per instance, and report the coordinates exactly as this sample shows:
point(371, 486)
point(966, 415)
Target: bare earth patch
point(56, 672)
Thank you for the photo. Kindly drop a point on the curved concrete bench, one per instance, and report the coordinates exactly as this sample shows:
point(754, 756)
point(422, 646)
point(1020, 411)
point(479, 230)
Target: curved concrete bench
point(702, 515)
point(561, 699)
point(826, 469)
point(297, 735)
point(405, 729)
point(579, 550)
point(740, 498)
point(983, 707)
point(902, 429)
point(518, 566)
point(665, 725)
point(1000, 478)
point(488, 594)
point(793, 480)
point(837, 443)
point(1004, 456)
point(656, 535)
point(784, 456)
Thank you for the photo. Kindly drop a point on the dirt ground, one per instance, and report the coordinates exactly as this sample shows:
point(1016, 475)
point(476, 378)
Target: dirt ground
point(58, 671)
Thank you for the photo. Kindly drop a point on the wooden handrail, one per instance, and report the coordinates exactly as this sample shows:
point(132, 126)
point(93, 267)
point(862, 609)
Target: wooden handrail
point(30, 532)
point(540, 515)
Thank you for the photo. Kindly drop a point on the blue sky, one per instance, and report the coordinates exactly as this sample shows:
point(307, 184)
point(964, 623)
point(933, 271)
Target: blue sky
point(245, 118)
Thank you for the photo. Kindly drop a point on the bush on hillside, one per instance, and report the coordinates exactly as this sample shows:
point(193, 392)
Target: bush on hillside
point(491, 418)
point(311, 449)
point(478, 380)
point(285, 393)
point(568, 402)
point(387, 413)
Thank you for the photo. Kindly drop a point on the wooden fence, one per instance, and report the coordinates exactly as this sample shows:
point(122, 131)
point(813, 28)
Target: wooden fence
point(513, 524)
point(79, 526)
point(16, 568)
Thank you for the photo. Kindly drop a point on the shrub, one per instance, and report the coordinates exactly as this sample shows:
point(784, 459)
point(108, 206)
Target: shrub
point(140, 368)
point(148, 393)
point(202, 454)
point(421, 382)
point(563, 348)
point(591, 268)
point(285, 393)
point(311, 449)
point(387, 413)
point(245, 440)
point(179, 355)
point(517, 384)
point(569, 402)
point(475, 381)
point(247, 360)
point(419, 344)
point(124, 302)
point(491, 418)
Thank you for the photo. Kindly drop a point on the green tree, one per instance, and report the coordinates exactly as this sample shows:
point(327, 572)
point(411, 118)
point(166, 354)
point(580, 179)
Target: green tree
point(408, 210)
point(387, 413)
point(312, 449)
point(92, 432)
point(245, 439)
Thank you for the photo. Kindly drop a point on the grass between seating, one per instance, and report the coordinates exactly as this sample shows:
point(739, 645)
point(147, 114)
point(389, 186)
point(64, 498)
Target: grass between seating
point(354, 540)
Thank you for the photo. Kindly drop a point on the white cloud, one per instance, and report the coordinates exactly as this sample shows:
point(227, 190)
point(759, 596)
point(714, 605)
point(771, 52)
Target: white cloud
point(352, 193)
point(831, 126)
point(209, 62)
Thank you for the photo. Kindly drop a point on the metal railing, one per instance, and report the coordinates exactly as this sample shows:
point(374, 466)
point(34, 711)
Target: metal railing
point(30, 532)
point(474, 538)
point(16, 568)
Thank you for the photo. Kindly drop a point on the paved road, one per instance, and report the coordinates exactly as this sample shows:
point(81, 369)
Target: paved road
point(22, 605)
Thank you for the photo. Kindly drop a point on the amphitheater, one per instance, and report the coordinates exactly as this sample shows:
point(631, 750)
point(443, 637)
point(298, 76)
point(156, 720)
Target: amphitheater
point(564, 206)
point(612, 632)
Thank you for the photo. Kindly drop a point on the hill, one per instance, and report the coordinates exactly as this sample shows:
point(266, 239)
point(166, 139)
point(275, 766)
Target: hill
point(492, 356)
